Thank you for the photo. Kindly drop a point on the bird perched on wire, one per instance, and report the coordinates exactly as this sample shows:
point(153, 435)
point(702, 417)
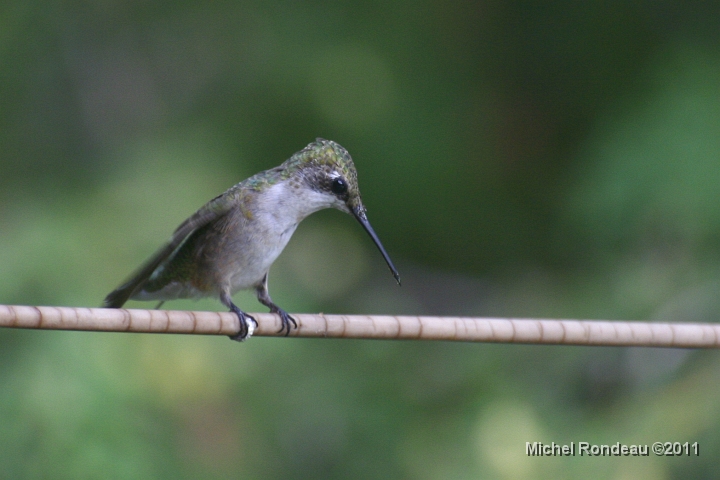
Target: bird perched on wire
point(231, 242)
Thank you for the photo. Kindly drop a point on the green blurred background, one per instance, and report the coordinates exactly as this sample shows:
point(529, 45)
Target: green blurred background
point(555, 159)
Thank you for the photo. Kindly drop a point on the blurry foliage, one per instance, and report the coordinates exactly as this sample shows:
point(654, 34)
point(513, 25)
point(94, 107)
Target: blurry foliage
point(554, 159)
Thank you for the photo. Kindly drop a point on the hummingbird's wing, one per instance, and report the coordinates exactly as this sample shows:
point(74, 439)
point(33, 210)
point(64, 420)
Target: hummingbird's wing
point(214, 209)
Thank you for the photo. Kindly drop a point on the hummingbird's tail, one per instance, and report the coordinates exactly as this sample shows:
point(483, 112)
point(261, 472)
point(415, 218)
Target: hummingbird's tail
point(124, 292)
point(117, 298)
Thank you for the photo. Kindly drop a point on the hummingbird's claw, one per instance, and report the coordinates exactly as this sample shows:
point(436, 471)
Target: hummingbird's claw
point(245, 330)
point(285, 320)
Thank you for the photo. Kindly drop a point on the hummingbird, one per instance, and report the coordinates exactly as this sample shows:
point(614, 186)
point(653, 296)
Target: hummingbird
point(232, 241)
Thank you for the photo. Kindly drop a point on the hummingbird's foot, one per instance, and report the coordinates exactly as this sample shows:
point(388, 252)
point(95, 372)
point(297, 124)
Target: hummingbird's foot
point(285, 320)
point(264, 297)
point(246, 330)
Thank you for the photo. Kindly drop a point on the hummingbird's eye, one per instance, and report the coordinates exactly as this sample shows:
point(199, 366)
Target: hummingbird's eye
point(339, 186)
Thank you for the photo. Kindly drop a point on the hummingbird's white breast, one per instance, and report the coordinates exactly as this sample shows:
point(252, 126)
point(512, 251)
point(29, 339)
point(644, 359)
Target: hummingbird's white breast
point(275, 214)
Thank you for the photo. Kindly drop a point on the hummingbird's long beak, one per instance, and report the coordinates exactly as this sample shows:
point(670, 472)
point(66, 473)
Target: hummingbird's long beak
point(359, 213)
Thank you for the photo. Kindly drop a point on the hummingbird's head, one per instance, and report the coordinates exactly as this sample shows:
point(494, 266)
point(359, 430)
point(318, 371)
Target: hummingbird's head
point(327, 168)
